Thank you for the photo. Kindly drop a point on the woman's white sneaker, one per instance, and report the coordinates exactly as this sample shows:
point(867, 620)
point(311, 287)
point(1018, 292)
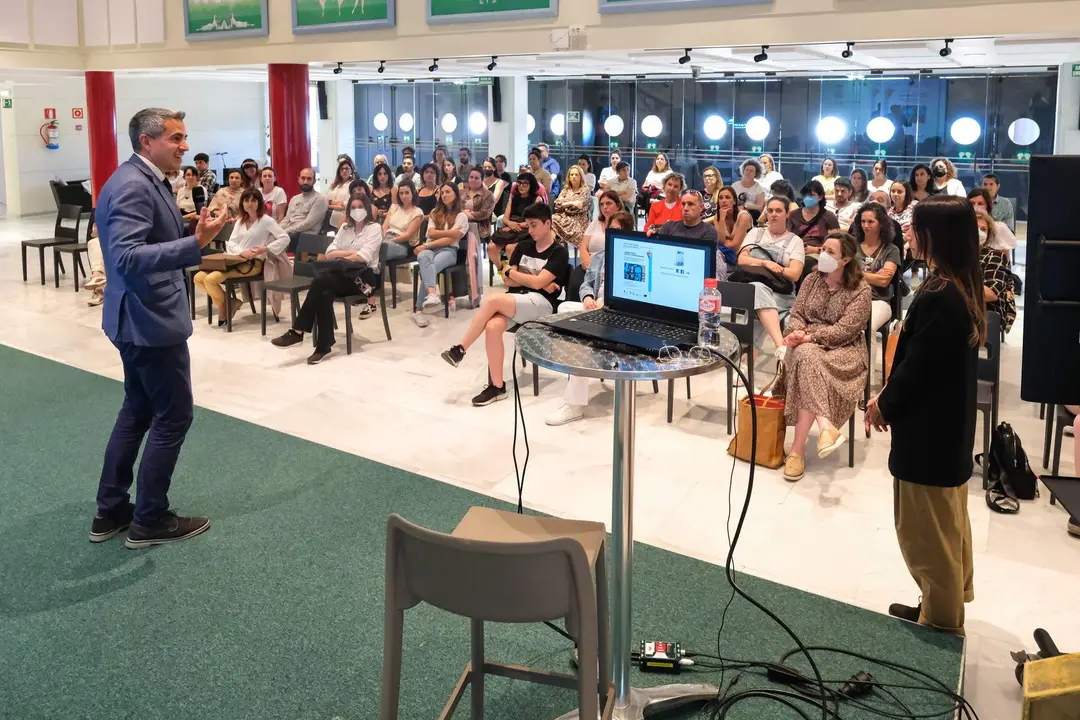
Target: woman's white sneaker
point(420, 319)
point(566, 414)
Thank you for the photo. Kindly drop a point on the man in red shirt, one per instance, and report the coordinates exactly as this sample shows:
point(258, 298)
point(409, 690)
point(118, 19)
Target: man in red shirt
point(667, 208)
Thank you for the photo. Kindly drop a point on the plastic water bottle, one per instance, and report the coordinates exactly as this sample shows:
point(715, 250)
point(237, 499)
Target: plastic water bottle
point(709, 303)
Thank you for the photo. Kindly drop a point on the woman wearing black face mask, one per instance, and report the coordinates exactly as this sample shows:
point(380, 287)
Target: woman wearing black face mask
point(945, 181)
point(495, 184)
point(813, 221)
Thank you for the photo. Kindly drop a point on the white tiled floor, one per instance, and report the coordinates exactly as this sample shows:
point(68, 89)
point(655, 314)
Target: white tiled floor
point(398, 403)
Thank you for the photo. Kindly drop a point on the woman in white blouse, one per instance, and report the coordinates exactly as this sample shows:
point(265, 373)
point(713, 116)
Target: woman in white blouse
point(338, 193)
point(880, 180)
point(401, 226)
point(358, 242)
point(447, 225)
point(185, 200)
point(276, 202)
point(768, 166)
point(254, 235)
point(657, 176)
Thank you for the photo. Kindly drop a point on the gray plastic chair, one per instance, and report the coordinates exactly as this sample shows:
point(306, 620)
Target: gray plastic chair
point(989, 384)
point(502, 567)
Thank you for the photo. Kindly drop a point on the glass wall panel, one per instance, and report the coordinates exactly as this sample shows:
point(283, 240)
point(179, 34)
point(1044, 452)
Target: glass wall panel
point(981, 122)
point(420, 115)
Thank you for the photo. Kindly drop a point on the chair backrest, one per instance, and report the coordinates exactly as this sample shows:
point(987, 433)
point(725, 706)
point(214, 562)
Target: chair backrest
point(989, 367)
point(224, 234)
point(68, 219)
point(308, 247)
point(513, 582)
point(897, 301)
point(738, 298)
point(327, 226)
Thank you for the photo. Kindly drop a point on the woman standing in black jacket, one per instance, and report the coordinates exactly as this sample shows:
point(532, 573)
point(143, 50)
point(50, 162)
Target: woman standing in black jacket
point(929, 404)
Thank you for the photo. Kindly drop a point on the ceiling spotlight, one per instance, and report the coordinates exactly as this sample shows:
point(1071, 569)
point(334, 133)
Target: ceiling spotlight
point(946, 51)
point(434, 66)
point(492, 64)
point(848, 53)
point(686, 57)
point(338, 70)
point(382, 66)
point(763, 55)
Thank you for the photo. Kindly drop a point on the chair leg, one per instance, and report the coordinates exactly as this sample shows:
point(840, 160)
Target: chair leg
point(348, 328)
point(251, 299)
point(41, 261)
point(655, 387)
point(476, 691)
point(1048, 434)
point(228, 309)
point(670, 399)
point(1059, 430)
point(390, 694)
point(294, 300)
point(385, 321)
point(446, 295)
point(56, 267)
point(262, 307)
point(24, 263)
point(687, 387)
point(75, 269)
point(209, 310)
point(536, 380)
point(1042, 406)
point(415, 287)
point(60, 260)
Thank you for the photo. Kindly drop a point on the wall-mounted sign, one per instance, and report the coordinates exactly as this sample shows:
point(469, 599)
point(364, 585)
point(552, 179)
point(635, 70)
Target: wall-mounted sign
point(448, 11)
point(7, 103)
point(78, 127)
point(614, 6)
point(1076, 70)
point(77, 113)
point(573, 116)
point(321, 16)
point(225, 19)
point(50, 113)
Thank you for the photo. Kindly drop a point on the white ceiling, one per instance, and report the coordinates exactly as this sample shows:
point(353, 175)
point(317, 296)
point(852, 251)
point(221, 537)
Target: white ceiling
point(969, 54)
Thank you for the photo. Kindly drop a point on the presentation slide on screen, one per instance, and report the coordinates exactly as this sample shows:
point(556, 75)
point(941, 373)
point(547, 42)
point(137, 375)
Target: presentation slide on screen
point(658, 273)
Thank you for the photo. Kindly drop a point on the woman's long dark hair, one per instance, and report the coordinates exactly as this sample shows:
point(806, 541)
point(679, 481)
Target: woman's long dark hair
point(907, 196)
point(947, 235)
point(338, 182)
point(930, 186)
point(375, 184)
point(614, 197)
point(882, 215)
point(860, 195)
point(849, 249)
point(252, 193)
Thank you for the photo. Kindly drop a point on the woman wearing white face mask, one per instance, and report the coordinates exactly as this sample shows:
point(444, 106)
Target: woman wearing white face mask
point(997, 275)
point(358, 241)
point(826, 361)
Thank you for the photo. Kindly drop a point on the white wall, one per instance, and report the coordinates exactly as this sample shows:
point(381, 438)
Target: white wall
point(1067, 141)
point(221, 116)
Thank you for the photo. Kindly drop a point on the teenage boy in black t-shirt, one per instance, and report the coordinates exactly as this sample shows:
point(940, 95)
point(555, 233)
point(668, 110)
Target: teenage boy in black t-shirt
point(538, 269)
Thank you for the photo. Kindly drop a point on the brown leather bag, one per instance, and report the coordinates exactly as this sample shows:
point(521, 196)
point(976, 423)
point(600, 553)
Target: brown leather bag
point(771, 429)
point(222, 262)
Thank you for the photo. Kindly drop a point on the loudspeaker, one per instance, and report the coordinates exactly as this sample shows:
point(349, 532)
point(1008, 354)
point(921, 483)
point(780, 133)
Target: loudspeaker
point(496, 100)
point(1052, 286)
point(324, 108)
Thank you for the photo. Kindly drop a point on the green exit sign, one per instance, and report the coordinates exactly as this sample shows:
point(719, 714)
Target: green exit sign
point(613, 145)
point(714, 148)
point(880, 152)
point(7, 103)
point(1023, 156)
point(651, 145)
point(406, 139)
point(966, 155)
point(757, 148)
point(1076, 70)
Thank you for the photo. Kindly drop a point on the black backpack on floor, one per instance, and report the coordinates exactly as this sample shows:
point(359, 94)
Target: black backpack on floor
point(1008, 474)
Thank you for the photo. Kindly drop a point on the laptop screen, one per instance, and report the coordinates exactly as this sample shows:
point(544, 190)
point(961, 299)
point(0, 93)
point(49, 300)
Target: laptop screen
point(657, 277)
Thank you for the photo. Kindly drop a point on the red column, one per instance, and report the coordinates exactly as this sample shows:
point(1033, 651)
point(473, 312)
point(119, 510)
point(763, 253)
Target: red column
point(101, 123)
point(290, 144)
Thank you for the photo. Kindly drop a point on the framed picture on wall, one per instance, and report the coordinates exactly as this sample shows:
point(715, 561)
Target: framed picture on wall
point(450, 11)
point(617, 6)
point(225, 19)
point(322, 16)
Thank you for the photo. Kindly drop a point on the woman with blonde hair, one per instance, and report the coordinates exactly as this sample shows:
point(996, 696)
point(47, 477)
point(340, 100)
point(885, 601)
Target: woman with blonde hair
point(711, 196)
point(771, 174)
point(827, 177)
point(945, 180)
point(572, 208)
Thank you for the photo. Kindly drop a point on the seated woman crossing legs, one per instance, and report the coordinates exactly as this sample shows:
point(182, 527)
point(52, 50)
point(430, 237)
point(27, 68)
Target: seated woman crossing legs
point(534, 278)
point(576, 396)
point(358, 241)
point(826, 363)
point(447, 226)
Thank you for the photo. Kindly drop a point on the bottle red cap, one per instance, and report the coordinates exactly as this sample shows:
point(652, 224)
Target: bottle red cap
point(710, 282)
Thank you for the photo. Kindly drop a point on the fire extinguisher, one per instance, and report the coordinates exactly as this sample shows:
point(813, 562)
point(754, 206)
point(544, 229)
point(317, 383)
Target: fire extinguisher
point(50, 135)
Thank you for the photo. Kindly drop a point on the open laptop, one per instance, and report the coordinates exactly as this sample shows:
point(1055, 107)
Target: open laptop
point(651, 292)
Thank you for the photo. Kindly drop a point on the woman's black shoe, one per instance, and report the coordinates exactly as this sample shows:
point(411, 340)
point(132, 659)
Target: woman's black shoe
point(291, 337)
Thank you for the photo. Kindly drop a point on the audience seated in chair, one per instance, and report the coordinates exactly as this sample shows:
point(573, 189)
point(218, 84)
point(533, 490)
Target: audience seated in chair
point(690, 225)
point(878, 258)
point(572, 208)
point(307, 210)
point(477, 202)
point(358, 241)
point(525, 194)
point(337, 195)
point(780, 251)
point(591, 293)
point(653, 187)
point(407, 174)
point(449, 174)
point(376, 161)
point(813, 221)
point(249, 169)
point(382, 191)
point(998, 291)
point(276, 202)
point(535, 277)
point(1001, 208)
point(185, 201)
point(465, 163)
point(843, 206)
point(95, 283)
point(609, 173)
point(826, 362)
point(668, 207)
point(428, 193)
point(585, 163)
point(227, 199)
point(498, 187)
point(254, 235)
point(751, 193)
point(1002, 239)
point(536, 167)
point(732, 225)
point(624, 186)
point(552, 166)
point(447, 226)
point(401, 226)
point(207, 177)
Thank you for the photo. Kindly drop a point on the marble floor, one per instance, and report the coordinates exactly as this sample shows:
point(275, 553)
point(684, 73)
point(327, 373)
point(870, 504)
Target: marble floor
point(398, 403)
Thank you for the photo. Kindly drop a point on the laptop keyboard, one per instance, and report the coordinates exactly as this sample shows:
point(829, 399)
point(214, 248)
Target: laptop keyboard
point(639, 325)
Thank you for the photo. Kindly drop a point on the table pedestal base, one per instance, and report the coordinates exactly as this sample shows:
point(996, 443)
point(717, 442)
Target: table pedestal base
point(646, 701)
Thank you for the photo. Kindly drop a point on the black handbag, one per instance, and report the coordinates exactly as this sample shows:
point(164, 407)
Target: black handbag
point(774, 281)
point(1008, 473)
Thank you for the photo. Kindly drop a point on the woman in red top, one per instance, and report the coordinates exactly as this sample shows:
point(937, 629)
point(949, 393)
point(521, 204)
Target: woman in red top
point(668, 207)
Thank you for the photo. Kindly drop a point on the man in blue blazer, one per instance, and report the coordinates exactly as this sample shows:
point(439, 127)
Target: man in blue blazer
point(146, 316)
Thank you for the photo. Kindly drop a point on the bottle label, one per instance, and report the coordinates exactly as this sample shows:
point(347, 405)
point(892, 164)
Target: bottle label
point(708, 304)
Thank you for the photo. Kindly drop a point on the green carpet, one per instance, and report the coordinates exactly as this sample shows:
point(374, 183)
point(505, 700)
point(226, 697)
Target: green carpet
point(277, 611)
